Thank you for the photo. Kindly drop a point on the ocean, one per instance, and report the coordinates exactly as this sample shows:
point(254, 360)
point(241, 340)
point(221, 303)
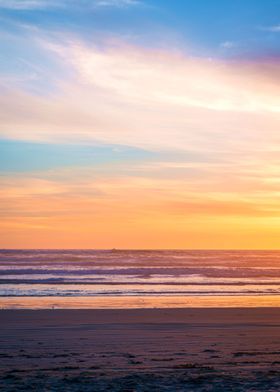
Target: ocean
point(98, 278)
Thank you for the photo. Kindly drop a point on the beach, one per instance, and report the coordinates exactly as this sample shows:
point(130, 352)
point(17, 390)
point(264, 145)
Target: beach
point(205, 349)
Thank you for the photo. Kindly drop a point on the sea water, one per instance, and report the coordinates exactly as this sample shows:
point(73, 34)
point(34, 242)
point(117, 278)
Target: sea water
point(48, 278)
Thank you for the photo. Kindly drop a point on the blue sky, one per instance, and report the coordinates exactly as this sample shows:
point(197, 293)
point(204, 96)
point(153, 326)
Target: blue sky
point(17, 156)
point(250, 23)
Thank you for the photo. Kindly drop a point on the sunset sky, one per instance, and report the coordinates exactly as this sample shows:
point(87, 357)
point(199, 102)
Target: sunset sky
point(140, 124)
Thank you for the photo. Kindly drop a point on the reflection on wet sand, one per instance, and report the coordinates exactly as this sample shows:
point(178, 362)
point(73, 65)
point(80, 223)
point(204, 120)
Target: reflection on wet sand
point(135, 302)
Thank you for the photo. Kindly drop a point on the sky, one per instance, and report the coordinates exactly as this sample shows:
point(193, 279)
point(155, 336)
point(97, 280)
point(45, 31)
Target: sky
point(140, 124)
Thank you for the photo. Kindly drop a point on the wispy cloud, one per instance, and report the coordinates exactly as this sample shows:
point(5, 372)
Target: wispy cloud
point(46, 4)
point(27, 4)
point(228, 44)
point(272, 29)
point(139, 211)
point(116, 3)
point(157, 99)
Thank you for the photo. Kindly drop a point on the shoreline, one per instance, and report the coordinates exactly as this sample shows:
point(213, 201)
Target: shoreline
point(141, 302)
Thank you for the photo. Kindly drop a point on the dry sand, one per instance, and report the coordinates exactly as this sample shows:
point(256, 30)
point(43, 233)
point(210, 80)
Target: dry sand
point(140, 350)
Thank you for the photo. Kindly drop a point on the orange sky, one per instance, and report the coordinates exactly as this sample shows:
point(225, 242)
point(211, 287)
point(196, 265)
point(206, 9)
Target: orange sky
point(135, 214)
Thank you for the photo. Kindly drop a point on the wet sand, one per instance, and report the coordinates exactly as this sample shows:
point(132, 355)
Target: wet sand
point(210, 349)
point(140, 302)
